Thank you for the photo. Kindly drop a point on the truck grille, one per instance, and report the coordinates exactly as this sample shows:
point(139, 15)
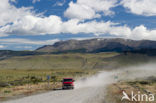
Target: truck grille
point(67, 85)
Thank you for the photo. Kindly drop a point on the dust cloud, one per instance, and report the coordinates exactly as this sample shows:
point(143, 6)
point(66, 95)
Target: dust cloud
point(91, 89)
point(105, 78)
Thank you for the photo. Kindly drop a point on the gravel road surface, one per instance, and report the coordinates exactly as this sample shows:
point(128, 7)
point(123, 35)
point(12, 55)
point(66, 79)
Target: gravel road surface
point(89, 90)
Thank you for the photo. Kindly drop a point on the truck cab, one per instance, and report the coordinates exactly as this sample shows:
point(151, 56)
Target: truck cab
point(68, 83)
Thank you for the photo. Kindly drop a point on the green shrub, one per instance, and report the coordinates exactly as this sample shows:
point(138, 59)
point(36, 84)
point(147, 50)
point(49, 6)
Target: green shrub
point(7, 91)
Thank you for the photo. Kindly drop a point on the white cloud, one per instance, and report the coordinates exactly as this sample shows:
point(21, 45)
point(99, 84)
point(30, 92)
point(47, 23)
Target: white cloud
point(34, 1)
point(74, 26)
point(32, 25)
point(54, 25)
point(60, 3)
point(24, 47)
point(141, 7)
point(88, 9)
point(2, 46)
point(26, 22)
point(141, 32)
point(27, 41)
point(9, 13)
point(102, 28)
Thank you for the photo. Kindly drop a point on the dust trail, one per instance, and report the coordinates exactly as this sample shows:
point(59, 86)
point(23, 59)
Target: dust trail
point(140, 71)
point(104, 78)
point(107, 77)
point(101, 79)
point(91, 89)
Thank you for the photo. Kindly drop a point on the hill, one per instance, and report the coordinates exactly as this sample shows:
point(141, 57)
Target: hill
point(98, 45)
point(4, 54)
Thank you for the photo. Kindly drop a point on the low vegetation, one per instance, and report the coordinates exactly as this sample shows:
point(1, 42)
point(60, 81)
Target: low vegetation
point(22, 81)
point(109, 60)
point(29, 74)
point(57, 61)
point(143, 86)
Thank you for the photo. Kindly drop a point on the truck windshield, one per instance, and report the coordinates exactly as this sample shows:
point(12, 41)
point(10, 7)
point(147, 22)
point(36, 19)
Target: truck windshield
point(67, 80)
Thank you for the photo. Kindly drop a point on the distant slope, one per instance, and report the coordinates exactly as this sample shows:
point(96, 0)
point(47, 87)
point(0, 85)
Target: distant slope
point(52, 61)
point(4, 54)
point(74, 61)
point(98, 45)
point(147, 51)
point(89, 46)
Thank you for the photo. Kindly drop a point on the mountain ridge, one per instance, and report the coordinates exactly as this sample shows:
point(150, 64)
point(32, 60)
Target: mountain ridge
point(98, 45)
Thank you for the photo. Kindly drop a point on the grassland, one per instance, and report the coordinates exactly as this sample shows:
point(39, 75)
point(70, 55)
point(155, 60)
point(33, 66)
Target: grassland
point(74, 61)
point(143, 86)
point(25, 74)
point(22, 74)
point(61, 61)
point(25, 82)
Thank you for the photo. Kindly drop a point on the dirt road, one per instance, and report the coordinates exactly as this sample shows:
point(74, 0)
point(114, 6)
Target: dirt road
point(83, 95)
point(89, 90)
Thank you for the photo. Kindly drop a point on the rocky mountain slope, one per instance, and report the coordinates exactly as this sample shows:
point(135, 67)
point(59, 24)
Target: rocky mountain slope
point(98, 45)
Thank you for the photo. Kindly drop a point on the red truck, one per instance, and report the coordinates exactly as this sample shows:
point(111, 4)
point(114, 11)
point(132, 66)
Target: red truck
point(68, 83)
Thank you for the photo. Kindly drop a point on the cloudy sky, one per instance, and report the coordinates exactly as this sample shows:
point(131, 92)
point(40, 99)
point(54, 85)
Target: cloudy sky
point(29, 24)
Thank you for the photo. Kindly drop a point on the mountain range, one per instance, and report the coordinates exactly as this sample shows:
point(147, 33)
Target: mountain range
point(99, 45)
point(89, 46)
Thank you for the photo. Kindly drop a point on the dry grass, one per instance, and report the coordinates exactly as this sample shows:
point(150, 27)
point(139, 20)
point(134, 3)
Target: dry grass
point(28, 89)
point(114, 91)
point(61, 61)
point(26, 86)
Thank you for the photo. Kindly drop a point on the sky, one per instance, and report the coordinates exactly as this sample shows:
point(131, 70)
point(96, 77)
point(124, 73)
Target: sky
point(29, 24)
